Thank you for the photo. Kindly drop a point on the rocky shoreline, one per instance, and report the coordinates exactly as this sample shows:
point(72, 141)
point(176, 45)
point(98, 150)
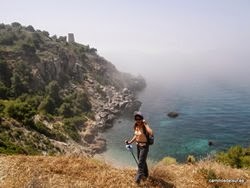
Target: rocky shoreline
point(113, 104)
point(108, 104)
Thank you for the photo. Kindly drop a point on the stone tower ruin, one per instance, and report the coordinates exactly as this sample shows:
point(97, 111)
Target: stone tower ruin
point(71, 38)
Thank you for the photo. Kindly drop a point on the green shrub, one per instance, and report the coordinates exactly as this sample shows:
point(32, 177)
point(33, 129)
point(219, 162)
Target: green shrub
point(75, 104)
point(78, 121)
point(66, 109)
point(71, 127)
point(21, 78)
point(245, 161)
point(236, 156)
point(82, 102)
point(17, 133)
point(5, 74)
point(34, 100)
point(17, 87)
point(168, 160)
point(37, 40)
point(52, 99)
point(16, 24)
point(7, 146)
point(47, 105)
point(30, 28)
point(208, 174)
point(2, 26)
point(45, 33)
point(41, 128)
point(21, 111)
point(8, 38)
point(3, 91)
point(28, 49)
point(2, 106)
point(11, 149)
point(59, 136)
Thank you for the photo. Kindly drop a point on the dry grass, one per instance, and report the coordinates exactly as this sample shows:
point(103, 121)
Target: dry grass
point(198, 175)
point(40, 171)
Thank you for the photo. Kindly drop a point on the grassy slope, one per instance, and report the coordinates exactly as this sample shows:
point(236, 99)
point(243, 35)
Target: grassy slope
point(44, 171)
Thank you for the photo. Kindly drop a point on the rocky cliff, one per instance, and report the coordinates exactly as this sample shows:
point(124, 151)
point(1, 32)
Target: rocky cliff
point(57, 96)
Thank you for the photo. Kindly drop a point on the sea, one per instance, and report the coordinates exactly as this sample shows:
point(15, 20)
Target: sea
point(213, 110)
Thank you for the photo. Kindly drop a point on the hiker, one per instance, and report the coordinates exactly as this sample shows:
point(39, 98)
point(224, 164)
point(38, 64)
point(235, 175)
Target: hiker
point(140, 129)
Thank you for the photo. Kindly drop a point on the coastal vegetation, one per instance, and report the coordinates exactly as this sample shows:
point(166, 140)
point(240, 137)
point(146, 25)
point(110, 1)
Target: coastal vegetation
point(236, 156)
point(51, 92)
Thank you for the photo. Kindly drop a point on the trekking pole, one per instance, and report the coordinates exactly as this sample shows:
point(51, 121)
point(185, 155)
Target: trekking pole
point(130, 148)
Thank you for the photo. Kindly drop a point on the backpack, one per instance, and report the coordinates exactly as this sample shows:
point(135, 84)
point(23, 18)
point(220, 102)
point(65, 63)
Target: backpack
point(150, 138)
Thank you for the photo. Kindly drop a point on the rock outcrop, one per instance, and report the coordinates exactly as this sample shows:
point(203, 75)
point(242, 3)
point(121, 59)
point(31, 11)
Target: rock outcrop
point(173, 114)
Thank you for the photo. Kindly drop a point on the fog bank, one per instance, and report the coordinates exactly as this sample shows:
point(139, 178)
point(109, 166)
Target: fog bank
point(175, 68)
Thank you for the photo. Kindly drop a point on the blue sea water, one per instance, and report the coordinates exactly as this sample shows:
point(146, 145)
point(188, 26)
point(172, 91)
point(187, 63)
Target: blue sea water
point(217, 111)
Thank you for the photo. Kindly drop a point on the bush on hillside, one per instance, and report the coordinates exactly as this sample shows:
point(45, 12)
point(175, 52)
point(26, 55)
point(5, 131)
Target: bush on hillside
point(21, 79)
point(7, 38)
point(21, 111)
point(3, 91)
point(48, 105)
point(66, 110)
point(236, 156)
point(82, 102)
point(208, 174)
point(30, 28)
point(168, 160)
point(53, 134)
point(17, 86)
point(32, 100)
point(52, 90)
point(2, 106)
point(28, 49)
point(75, 104)
point(37, 40)
point(8, 144)
point(52, 100)
point(5, 73)
point(16, 24)
point(71, 126)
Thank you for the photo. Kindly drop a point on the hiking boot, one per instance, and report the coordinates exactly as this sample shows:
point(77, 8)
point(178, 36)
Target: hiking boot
point(137, 181)
point(144, 178)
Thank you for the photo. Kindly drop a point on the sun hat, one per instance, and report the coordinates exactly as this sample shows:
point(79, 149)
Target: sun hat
point(138, 114)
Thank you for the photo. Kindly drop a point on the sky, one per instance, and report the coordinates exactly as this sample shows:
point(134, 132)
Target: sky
point(154, 38)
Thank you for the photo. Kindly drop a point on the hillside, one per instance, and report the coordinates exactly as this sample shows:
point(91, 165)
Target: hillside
point(41, 171)
point(56, 97)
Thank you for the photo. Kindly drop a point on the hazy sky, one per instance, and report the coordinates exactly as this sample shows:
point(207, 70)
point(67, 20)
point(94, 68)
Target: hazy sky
point(161, 37)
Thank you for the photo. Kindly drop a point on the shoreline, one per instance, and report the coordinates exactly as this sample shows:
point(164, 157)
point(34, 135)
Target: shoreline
point(107, 110)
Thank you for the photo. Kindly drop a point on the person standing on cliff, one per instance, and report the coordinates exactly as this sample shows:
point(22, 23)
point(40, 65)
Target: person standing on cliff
point(140, 138)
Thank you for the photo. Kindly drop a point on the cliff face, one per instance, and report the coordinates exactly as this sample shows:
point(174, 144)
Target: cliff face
point(59, 92)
